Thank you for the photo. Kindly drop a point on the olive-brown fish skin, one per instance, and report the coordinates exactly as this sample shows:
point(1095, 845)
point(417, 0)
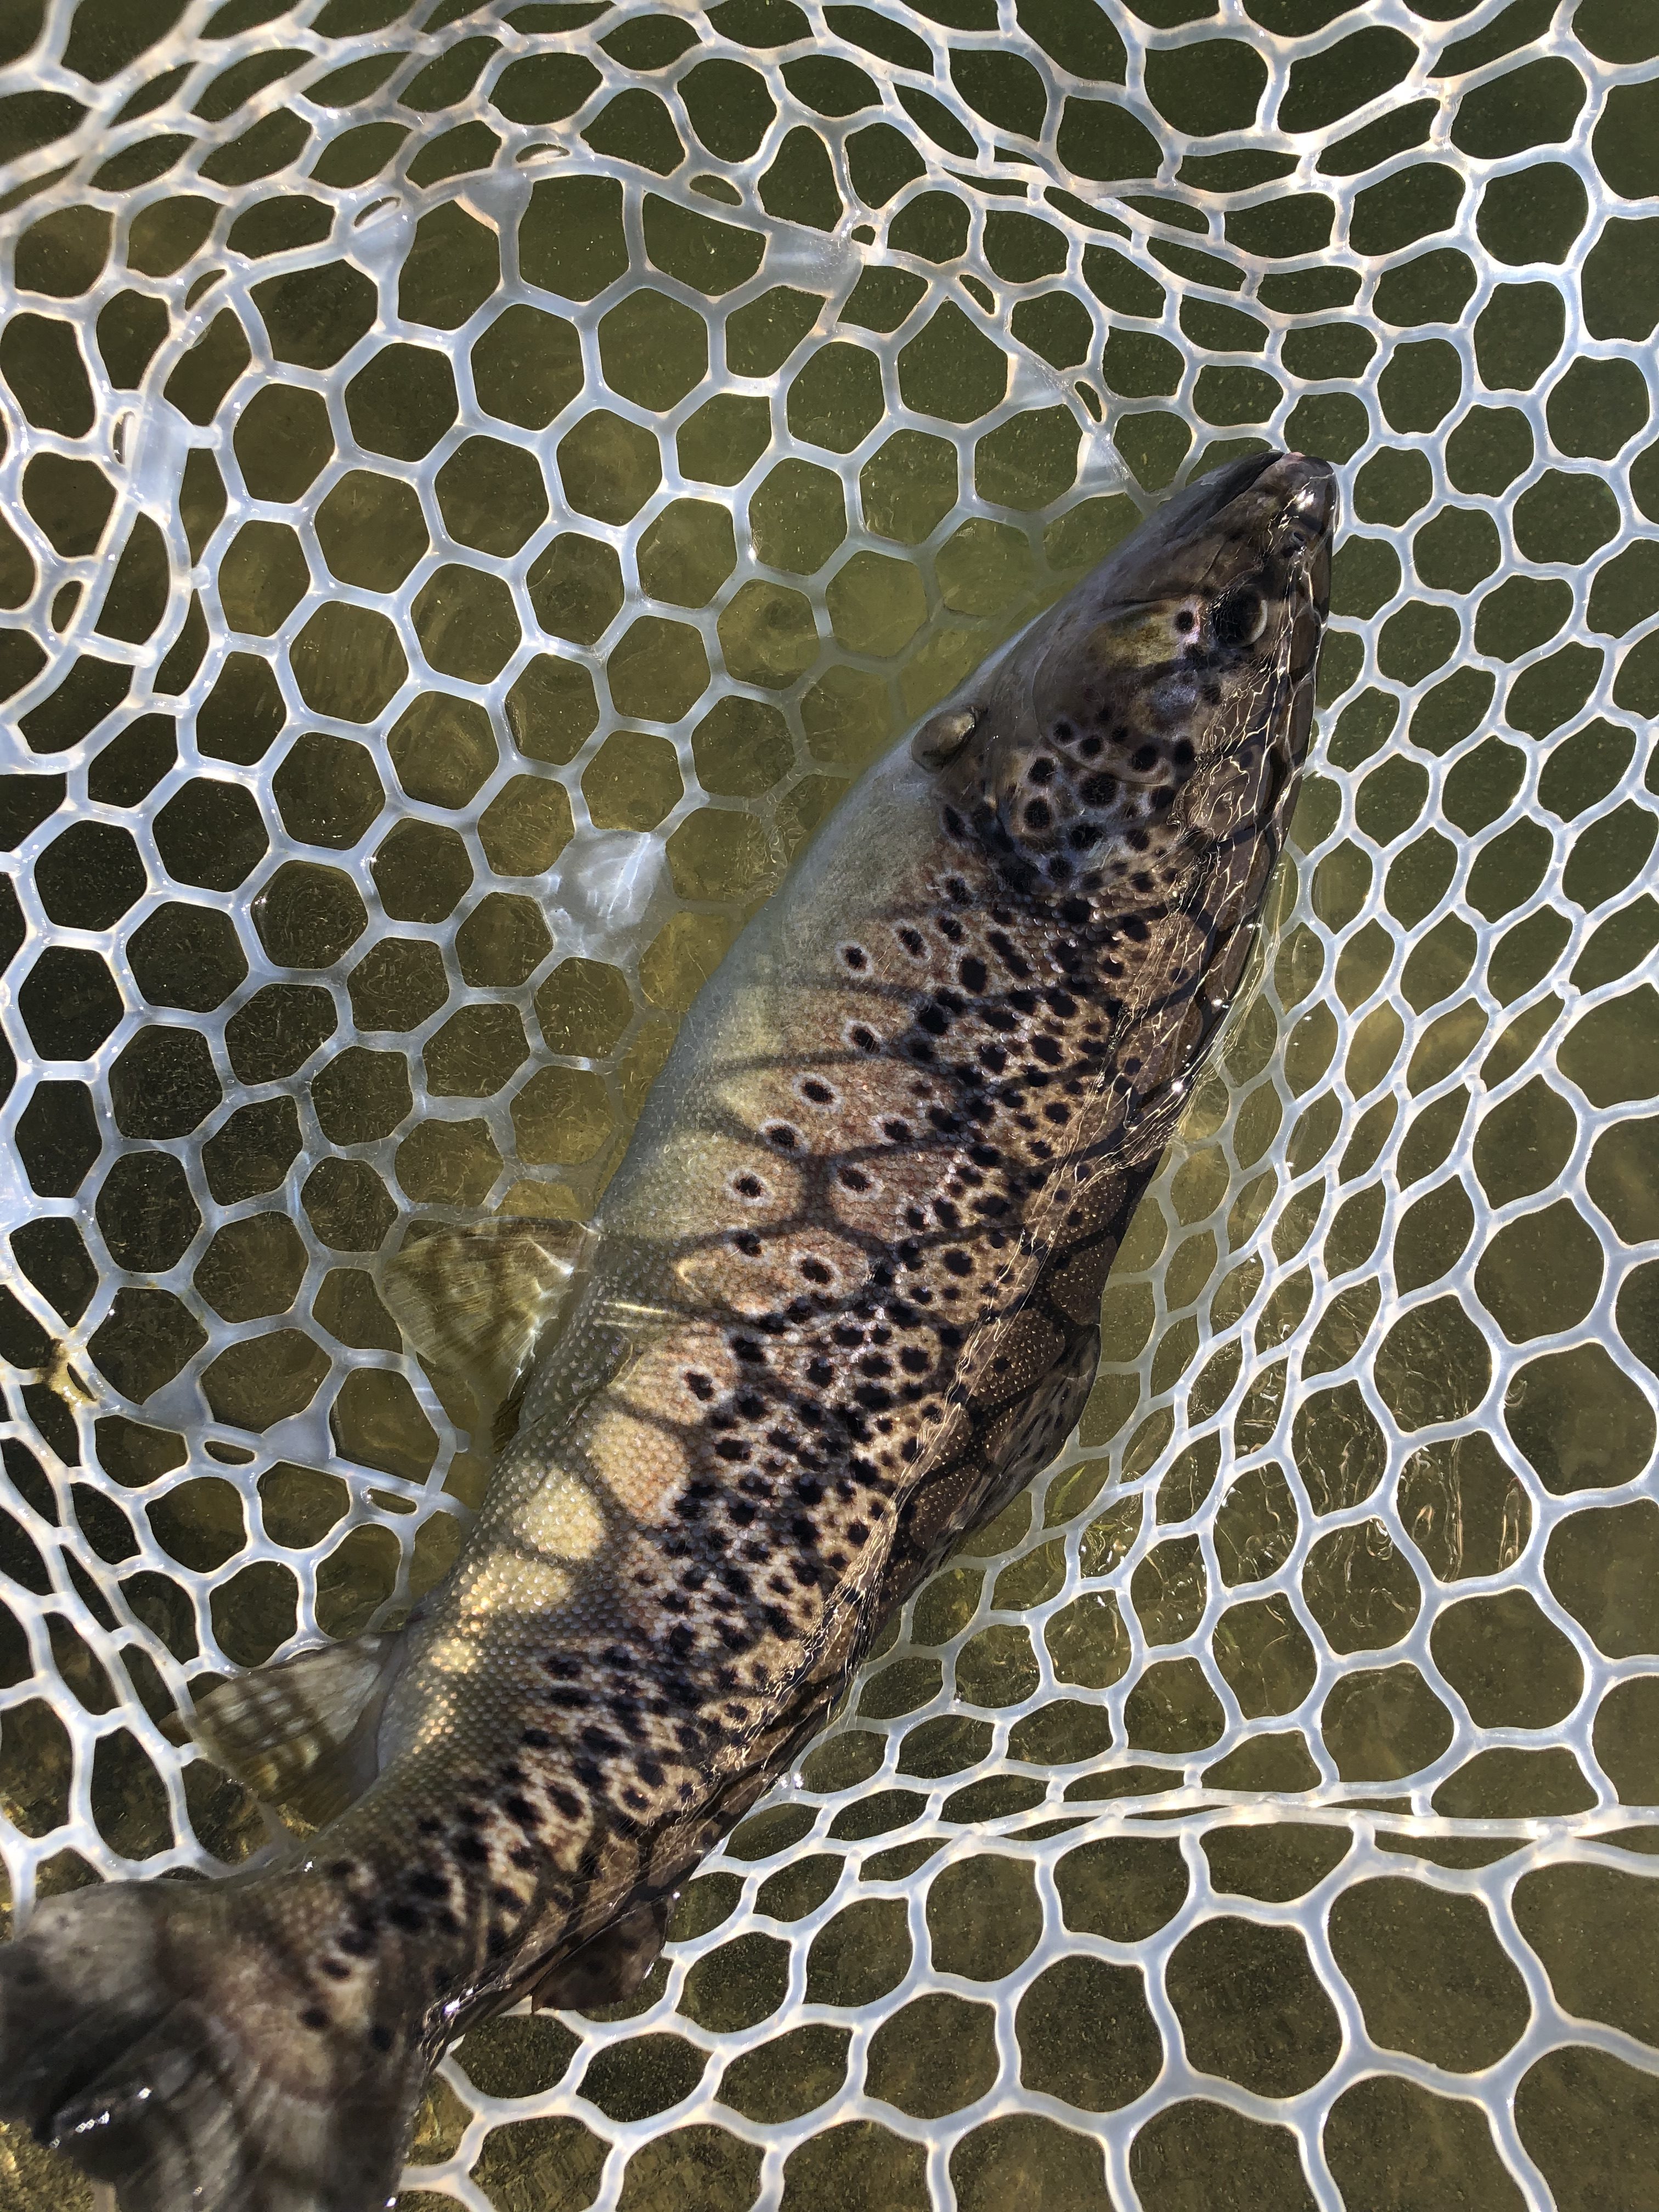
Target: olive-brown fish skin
point(842, 1302)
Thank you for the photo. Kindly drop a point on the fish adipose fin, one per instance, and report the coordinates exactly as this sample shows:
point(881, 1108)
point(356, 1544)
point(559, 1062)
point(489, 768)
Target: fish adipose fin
point(475, 1300)
point(150, 2033)
point(300, 1734)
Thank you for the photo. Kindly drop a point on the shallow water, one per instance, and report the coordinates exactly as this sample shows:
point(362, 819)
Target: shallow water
point(480, 480)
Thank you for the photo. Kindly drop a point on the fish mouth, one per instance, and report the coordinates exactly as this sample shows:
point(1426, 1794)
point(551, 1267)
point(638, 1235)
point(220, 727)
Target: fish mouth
point(1301, 485)
point(1272, 513)
point(1273, 516)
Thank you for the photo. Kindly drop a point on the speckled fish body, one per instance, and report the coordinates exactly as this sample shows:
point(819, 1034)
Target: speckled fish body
point(840, 1302)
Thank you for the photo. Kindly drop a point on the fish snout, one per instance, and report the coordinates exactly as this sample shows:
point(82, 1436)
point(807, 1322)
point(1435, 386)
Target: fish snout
point(1193, 646)
point(1312, 506)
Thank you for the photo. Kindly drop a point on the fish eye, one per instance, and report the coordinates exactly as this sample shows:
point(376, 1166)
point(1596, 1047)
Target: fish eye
point(1237, 619)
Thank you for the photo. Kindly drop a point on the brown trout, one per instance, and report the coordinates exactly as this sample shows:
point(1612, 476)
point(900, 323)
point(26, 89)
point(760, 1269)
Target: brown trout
point(839, 1305)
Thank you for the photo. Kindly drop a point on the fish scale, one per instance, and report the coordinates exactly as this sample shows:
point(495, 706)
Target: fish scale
point(839, 1305)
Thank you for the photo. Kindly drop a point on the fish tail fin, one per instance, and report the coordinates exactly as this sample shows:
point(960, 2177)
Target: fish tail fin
point(160, 2036)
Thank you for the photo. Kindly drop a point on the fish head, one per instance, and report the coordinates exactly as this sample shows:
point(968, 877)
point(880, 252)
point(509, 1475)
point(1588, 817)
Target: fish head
point(1110, 741)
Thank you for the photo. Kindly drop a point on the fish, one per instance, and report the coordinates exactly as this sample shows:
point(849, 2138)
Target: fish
point(838, 1305)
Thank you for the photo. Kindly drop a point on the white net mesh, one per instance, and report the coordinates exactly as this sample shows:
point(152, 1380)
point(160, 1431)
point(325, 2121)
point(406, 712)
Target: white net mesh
point(480, 479)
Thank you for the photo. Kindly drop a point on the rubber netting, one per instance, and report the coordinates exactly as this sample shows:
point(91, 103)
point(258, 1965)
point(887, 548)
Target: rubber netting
point(477, 481)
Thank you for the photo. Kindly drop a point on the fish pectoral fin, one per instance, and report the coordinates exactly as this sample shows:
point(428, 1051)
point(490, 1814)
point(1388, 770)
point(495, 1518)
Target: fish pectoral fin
point(609, 1966)
point(475, 1299)
point(300, 1734)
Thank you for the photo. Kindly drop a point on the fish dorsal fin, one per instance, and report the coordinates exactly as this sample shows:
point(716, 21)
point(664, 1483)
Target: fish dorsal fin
point(475, 1299)
point(300, 1733)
